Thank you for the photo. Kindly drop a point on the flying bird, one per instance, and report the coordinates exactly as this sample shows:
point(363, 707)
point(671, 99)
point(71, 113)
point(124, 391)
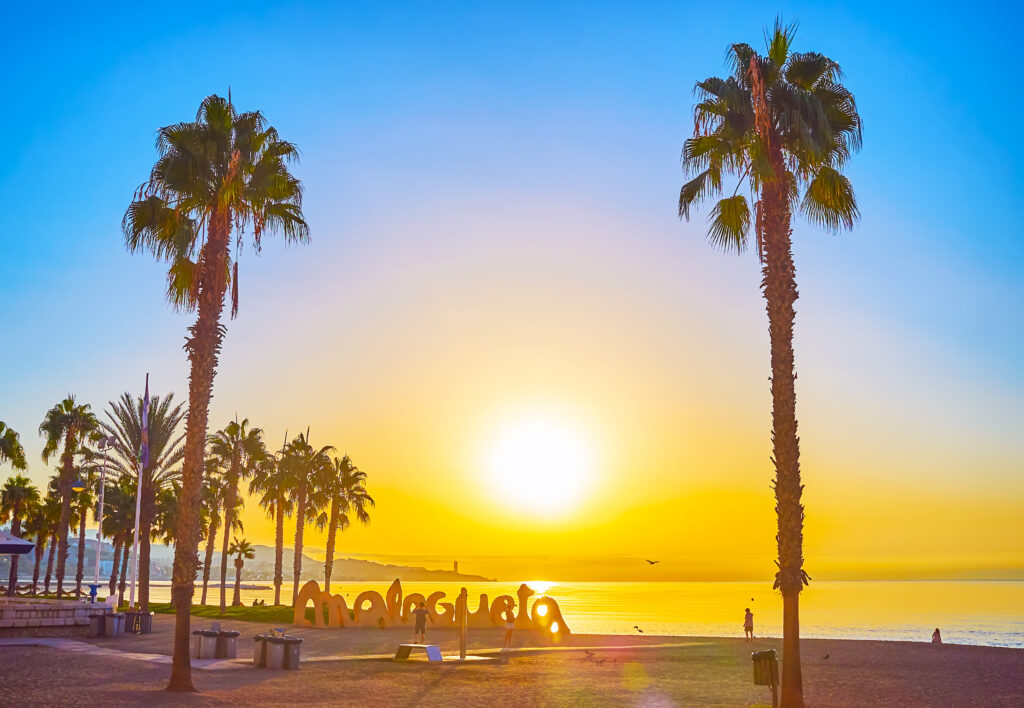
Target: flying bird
point(638, 629)
point(652, 562)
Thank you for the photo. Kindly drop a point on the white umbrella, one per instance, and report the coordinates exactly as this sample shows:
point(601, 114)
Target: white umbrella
point(12, 545)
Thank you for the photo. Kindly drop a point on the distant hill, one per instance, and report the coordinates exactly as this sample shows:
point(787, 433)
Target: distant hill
point(262, 568)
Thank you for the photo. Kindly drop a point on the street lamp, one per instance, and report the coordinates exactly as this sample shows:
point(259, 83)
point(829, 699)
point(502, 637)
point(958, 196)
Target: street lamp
point(103, 445)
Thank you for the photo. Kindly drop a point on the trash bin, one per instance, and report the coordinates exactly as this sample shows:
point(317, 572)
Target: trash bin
point(113, 624)
point(207, 644)
point(194, 645)
point(766, 668)
point(145, 622)
point(275, 652)
point(130, 619)
point(96, 626)
point(259, 655)
point(227, 644)
point(292, 649)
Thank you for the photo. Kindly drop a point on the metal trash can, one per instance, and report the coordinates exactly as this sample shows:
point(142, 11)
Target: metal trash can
point(194, 645)
point(207, 644)
point(259, 655)
point(292, 650)
point(145, 622)
point(275, 652)
point(96, 625)
point(113, 624)
point(130, 619)
point(227, 644)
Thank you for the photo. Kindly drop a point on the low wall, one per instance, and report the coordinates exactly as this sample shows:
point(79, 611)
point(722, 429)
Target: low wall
point(19, 615)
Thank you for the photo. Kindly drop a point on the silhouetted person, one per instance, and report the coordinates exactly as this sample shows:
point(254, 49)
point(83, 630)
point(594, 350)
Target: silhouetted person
point(748, 625)
point(510, 623)
point(422, 613)
point(936, 637)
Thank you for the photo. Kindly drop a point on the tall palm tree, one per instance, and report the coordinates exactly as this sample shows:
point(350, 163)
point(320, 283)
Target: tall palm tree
point(42, 524)
point(783, 124)
point(16, 499)
point(166, 451)
point(241, 550)
point(52, 497)
point(83, 503)
point(238, 450)
point(305, 467)
point(67, 424)
point(272, 484)
point(214, 178)
point(11, 449)
point(344, 487)
point(215, 492)
point(119, 522)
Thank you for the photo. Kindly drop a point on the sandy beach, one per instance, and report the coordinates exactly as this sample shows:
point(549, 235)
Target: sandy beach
point(349, 668)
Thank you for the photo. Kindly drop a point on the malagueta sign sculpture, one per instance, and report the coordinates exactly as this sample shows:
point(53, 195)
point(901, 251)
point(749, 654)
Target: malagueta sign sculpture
point(394, 610)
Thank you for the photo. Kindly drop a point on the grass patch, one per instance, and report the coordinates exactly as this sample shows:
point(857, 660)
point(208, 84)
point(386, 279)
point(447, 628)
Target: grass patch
point(279, 614)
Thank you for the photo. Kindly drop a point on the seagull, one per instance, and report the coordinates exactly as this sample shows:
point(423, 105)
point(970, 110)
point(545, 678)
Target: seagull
point(638, 629)
point(652, 562)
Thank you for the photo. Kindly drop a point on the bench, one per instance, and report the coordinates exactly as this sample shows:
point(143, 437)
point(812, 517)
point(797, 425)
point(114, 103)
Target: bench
point(432, 651)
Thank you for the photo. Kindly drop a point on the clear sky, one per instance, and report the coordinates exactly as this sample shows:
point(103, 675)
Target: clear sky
point(496, 263)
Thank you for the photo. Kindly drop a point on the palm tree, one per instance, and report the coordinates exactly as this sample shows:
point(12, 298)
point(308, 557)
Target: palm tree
point(241, 550)
point(214, 178)
point(214, 491)
point(305, 466)
point(68, 424)
point(344, 487)
point(42, 524)
point(83, 503)
point(166, 450)
point(271, 482)
point(238, 449)
point(784, 123)
point(11, 449)
point(119, 524)
point(52, 497)
point(16, 499)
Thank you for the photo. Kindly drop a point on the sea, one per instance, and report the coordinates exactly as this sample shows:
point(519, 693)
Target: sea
point(967, 612)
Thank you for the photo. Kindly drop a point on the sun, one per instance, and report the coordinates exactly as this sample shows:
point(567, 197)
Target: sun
point(540, 466)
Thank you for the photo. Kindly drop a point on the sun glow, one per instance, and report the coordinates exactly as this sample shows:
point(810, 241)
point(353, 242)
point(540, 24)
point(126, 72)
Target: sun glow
point(540, 466)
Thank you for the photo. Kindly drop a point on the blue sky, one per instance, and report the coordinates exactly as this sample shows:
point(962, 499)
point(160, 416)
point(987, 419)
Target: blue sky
point(428, 127)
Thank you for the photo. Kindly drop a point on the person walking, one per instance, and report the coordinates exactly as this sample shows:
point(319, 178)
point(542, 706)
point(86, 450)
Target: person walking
point(748, 625)
point(510, 623)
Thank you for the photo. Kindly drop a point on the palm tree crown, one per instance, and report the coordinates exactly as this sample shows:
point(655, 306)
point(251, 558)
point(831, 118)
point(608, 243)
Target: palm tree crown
point(11, 449)
point(781, 117)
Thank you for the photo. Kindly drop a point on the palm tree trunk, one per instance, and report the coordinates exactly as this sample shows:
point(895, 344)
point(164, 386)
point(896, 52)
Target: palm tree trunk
point(49, 563)
point(124, 571)
point(237, 599)
point(332, 530)
point(12, 582)
point(203, 345)
point(40, 546)
point(279, 551)
point(780, 293)
point(117, 561)
point(146, 511)
point(229, 519)
point(80, 570)
point(64, 489)
point(300, 525)
point(211, 539)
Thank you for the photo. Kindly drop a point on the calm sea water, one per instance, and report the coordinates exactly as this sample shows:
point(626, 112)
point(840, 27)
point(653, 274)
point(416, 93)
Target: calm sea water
point(970, 612)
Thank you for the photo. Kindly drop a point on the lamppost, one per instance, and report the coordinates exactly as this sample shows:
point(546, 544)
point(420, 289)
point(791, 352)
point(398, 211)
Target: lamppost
point(103, 444)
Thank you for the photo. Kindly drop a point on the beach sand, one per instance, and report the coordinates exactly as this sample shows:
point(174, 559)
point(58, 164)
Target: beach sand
point(588, 670)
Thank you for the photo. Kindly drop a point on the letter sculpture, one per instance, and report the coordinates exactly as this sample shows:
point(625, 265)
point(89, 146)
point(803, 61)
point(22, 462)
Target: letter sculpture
point(371, 609)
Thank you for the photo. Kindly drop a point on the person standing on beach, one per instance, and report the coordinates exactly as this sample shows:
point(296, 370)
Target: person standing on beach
point(936, 637)
point(422, 613)
point(748, 625)
point(510, 623)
